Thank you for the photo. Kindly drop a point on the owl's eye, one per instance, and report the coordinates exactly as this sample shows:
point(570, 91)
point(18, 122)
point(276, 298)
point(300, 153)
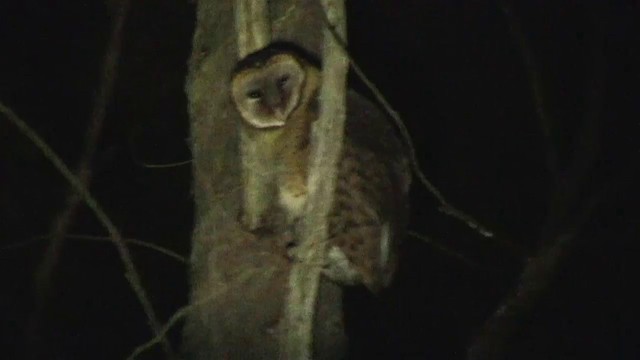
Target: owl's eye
point(254, 94)
point(282, 81)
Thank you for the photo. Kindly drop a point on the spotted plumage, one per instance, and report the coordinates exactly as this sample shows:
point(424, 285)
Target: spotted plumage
point(276, 92)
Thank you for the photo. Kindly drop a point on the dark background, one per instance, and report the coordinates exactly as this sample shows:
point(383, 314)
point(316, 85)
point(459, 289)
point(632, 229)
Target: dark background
point(455, 74)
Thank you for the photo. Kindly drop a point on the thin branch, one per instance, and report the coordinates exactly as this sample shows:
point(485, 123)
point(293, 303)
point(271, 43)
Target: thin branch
point(535, 80)
point(170, 165)
point(287, 14)
point(445, 206)
point(586, 142)
point(130, 269)
point(138, 159)
point(443, 249)
point(497, 331)
point(177, 316)
point(560, 228)
point(61, 224)
point(136, 242)
point(64, 219)
point(144, 244)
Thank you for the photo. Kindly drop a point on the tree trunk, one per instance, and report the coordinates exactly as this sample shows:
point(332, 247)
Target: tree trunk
point(239, 283)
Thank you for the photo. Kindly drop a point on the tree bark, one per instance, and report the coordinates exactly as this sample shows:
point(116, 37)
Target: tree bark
point(239, 282)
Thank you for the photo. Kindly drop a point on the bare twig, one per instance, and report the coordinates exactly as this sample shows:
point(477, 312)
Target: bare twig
point(177, 316)
point(130, 269)
point(170, 165)
point(586, 142)
point(45, 271)
point(535, 278)
point(136, 242)
point(145, 244)
point(445, 205)
point(438, 246)
point(287, 14)
point(560, 228)
point(535, 80)
point(96, 123)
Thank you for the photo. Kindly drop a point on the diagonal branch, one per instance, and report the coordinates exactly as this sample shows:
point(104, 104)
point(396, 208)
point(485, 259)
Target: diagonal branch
point(445, 206)
point(539, 271)
point(561, 227)
point(96, 124)
point(76, 184)
point(60, 226)
point(535, 80)
point(85, 237)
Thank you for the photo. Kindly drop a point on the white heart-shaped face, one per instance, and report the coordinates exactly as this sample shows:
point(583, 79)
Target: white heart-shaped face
point(266, 95)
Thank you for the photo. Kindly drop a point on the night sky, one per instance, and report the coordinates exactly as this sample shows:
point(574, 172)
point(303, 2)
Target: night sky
point(454, 72)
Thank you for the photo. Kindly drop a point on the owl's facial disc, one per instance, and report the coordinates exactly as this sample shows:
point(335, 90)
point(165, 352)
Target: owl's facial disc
point(267, 96)
point(284, 82)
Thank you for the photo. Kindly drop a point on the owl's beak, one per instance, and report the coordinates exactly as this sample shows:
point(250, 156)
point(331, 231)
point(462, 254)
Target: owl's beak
point(280, 114)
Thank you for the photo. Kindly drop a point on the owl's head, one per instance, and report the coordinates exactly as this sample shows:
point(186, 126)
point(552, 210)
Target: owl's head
point(267, 86)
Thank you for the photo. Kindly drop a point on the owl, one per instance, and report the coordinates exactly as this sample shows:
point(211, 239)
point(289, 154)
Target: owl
point(276, 91)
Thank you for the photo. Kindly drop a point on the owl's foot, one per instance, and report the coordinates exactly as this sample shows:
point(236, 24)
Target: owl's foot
point(339, 269)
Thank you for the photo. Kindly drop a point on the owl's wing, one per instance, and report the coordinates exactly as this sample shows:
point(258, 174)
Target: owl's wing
point(369, 129)
point(370, 207)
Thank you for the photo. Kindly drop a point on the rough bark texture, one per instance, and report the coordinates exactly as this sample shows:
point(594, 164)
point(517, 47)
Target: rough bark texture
point(326, 149)
point(239, 282)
